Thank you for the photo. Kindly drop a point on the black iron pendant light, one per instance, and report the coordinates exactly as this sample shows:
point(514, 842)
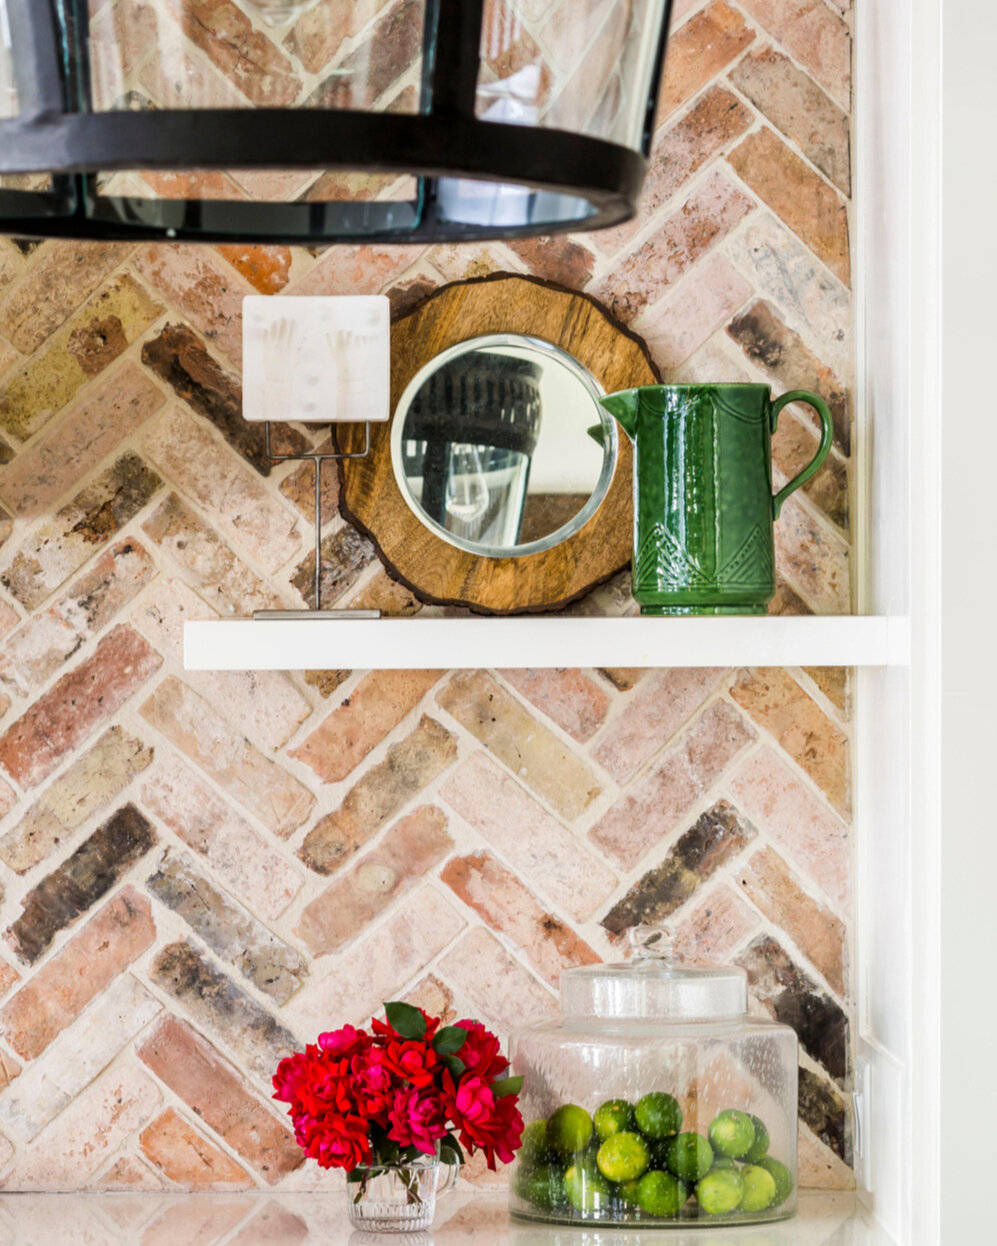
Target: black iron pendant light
point(317, 121)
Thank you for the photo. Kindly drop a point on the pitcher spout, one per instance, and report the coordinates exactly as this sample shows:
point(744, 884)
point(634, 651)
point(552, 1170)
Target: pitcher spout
point(622, 406)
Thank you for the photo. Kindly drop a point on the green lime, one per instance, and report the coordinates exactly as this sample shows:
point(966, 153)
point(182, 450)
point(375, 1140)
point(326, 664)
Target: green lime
point(782, 1177)
point(626, 1191)
point(690, 1156)
point(658, 1115)
point(534, 1148)
point(613, 1117)
point(732, 1133)
point(587, 1190)
point(759, 1188)
point(543, 1186)
point(660, 1194)
point(721, 1161)
point(569, 1130)
point(623, 1157)
point(720, 1191)
point(760, 1146)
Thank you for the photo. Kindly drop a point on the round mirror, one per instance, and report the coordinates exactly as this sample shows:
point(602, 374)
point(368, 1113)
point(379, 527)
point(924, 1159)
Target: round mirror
point(491, 447)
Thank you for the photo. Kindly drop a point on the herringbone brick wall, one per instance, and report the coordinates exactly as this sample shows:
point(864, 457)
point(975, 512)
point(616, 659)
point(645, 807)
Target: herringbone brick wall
point(201, 871)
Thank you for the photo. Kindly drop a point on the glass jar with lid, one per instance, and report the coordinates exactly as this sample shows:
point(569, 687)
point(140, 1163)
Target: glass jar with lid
point(656, 1099)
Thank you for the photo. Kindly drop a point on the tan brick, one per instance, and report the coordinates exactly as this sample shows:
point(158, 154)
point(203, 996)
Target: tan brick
point(259, 784)
point(800, 109)
point(378, 965)
point(567, 697)
point(205, 291)
point(88, 785)
point(67, 539)
point(680, 777)
point(217, 1094)
point(534, 843)
point(237, 854)
point(267, 269)
point(320, 32)
point(409, 850)
point(818, 1167)
point(44, 642)
point(434, 997)
point(507, 905)
point(814, 559)
point(89, 429)
point(812, 34)
point(89, 962)
point(229, 494)
point(383, 593)
point(63, 276)
point(777, 702)
point(794, 444)
point(74, 707)
point(497, 986)
point(388, 50)
point(299, 488)
point(641, 277)
point(375, 706)
point(808, 205)
point(714, 928)
point(835, 683)
point(273, 1223)
point(623, 677)
point(265, 704)
point(178, 74)
point(534, 754)
point(95, 336)
point(185, 1156)
point(8, 799)
point(698, 51)
point(222, 578)
point(87, 1133)
point(663, 701)
point(813, 928)
point(129, 1174)
point(683, 320)
point(807, 833)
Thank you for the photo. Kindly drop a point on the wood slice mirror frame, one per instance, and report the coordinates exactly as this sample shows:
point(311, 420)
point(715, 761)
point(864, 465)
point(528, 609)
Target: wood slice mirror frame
point(434, 570)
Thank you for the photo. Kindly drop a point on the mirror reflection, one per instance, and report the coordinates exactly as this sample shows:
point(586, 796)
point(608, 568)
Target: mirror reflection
point(490, 446)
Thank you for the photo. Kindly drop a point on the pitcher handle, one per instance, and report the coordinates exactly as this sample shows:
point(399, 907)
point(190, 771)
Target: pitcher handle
point(827, 433)
point(453, 1172)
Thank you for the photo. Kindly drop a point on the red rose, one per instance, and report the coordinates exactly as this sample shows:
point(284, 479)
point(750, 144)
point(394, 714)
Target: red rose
point(372, 1085)
point(480, 1052)
point(343, 1043)
point(414, 1060)
point(497, 1135)
point(336, 1141)
point(473, 1101)
point(417, 1119)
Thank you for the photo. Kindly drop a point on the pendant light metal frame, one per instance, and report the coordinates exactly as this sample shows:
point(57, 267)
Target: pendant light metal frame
point(56, 131)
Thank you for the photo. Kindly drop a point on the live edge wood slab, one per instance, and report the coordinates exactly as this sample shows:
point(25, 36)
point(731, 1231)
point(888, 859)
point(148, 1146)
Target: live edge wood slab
point(435, 571)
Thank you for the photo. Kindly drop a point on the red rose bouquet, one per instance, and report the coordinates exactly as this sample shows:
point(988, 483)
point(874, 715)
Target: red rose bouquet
point(362, 1100)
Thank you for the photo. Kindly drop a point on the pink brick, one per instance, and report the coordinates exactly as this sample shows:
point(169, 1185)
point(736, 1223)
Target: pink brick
point(265, 704)
point(9, 619)
point(814, 559)
point(507, 905)
point(129, 1174)
point(186, 1156)
point(680, 778)
point(196, 1222)
point(229, 493)
point(44, 642)
point(498, 987)
point(273, 1223)
point(89, 962)
point(237, 854)
point(320, 32)
point(378, 965)
point(682, 321)
point(804, 828)
point(363, 269)
point(714, 928)
point(58, 722)
point(811, 33)
point(8, 798)
point(567, 697)
point(221, 751)
point(699, 51)
point(535, 844)
point(648, 720)
point(195, 281)
point(407, 853)
point(375, 706)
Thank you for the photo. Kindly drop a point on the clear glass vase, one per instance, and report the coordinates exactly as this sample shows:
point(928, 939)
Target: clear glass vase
point(399, 1197)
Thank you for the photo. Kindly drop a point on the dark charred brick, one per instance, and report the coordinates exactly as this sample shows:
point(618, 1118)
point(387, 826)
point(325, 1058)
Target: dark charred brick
point(6, 453)
point(823, 1109)
point(80, 881)
point(558, 259)
point(716, 835)
point(622, 677)
point(98, 344)
point(326, 681)
point(345, 554)
point(407, 295)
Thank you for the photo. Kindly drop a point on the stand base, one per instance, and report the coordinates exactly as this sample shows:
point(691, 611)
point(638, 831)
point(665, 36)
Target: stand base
point(316, 614)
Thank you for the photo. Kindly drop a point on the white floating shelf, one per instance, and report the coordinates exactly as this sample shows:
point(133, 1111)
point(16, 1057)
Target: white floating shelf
point(543, 641)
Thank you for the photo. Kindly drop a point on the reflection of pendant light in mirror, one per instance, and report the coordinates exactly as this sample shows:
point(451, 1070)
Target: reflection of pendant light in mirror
point(467, 490)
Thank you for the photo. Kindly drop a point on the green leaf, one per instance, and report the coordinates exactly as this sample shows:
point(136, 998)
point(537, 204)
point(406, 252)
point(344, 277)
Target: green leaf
point(449, 1143)
point(507, 1086)
point(455, 1065)
point(407, 1020)
point(449, 1039)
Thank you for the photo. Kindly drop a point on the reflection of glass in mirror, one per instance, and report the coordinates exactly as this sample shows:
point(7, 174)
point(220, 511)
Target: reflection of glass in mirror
point(490, 447)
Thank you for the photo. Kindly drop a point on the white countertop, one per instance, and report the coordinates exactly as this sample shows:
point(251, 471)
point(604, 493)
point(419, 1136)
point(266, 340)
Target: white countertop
point(259, 1219)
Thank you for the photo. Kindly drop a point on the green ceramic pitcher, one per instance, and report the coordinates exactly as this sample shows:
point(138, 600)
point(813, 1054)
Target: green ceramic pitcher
point(703, 501)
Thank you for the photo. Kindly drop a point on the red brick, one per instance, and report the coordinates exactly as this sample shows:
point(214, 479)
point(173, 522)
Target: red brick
point(698, 51)
point(266, 268)
point(186, 1157)
point(508, 906)
point(567, 697)
point(58, 722)
point(810, 207)
point(375, 706)
point(410, 849)
point(89, 962)
point(814, 36)
point(777, 702)
point(682, 776)
point(216, 1093)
